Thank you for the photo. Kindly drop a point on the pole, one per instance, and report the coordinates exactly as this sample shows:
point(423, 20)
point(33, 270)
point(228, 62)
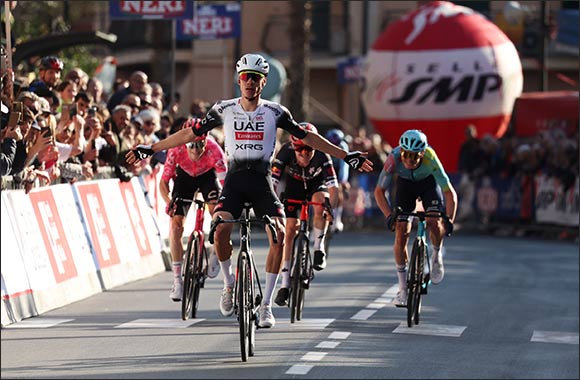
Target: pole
point(544, 15)
point(7, 8)
point(365, 44)
point(173, 37)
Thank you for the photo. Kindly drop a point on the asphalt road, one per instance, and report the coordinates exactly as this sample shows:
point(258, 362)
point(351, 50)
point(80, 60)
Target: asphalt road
point(507, 309)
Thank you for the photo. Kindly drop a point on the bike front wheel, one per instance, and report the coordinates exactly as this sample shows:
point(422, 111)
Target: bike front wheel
point(414, 276)
point(296, 288)
point(245, 309)
point(188, 279)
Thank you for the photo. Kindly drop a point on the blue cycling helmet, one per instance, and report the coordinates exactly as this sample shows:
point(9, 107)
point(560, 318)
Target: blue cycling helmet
point(335, 136)
point(413, 140)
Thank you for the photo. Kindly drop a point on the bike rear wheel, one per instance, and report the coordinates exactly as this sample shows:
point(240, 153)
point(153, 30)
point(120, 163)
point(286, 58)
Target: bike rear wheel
point(188, 279)
point(244, 305)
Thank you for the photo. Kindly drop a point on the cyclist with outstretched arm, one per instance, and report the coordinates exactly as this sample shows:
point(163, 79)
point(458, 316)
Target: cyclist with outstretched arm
point(195, 166)
point(419, 174)
point(250, 124)
point(309, 175)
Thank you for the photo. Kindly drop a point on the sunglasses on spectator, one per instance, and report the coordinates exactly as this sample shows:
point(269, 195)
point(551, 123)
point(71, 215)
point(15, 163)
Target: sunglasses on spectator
point(304, 148)
point(253, 76)
point(148, 122)
point(412, 156)
point(134, 106)
point(196, 145)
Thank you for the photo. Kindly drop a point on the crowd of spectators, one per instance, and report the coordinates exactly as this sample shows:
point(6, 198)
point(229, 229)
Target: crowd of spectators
point(64, 128)
point(70, 130)
point(551, 152)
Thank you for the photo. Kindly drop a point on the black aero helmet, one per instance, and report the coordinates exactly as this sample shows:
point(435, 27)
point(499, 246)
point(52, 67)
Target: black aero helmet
point(413, 140)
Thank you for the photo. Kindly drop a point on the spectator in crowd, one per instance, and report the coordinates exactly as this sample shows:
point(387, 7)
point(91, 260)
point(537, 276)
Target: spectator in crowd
point(152, 124)
point(137, 81)
point(117, 132)
point(9, 137)
point(82, 103)
point(337, 137)
point(468, 163)
point(67, 91)
point(198, 108)
point(95, 92)
point(166, 122)
point(49, 74)
point(134, 102)
point(79, 77)
point(30, 100)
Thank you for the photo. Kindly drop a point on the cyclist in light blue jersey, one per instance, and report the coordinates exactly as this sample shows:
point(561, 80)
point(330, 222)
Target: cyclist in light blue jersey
point(420, 175)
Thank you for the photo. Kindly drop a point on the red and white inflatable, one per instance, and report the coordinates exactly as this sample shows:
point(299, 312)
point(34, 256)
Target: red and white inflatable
point(438, 69)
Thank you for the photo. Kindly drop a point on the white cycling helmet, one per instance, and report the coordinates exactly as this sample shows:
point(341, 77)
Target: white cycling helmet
point(253, 63)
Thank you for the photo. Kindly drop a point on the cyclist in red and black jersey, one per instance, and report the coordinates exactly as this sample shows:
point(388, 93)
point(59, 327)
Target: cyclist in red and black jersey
point(309, 175)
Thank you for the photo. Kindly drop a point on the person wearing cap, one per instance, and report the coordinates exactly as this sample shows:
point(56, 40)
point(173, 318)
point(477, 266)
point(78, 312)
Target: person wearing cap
point(30, 100)
point(49, 74)
point(250, 125)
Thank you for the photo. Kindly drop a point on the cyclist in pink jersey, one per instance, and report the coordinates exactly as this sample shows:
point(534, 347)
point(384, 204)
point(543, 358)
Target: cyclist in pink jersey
point(194, 166)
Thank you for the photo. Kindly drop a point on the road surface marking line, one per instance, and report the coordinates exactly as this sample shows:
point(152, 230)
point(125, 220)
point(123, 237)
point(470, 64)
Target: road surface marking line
point(37, 323)
point(159, 323)
point(313, 356)
point(299, 369)
point(339, 335)
point(554, 337)
point(376, 305)
point(427, 329)
point(327, 344)
point(363, 315)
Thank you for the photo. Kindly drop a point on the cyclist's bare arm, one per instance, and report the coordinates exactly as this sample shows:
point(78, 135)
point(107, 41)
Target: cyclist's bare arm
point(320, 143)
point(450, 203)
point(382, 201)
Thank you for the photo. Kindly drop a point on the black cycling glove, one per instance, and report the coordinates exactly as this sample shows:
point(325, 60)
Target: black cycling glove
point(391, 222)
point(142, 151)
point(448, 227)
point(355, 159)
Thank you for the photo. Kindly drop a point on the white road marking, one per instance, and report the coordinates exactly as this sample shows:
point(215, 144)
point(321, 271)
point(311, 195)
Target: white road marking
point(427, 329)
point(327, 344)
point(339, 335)
point(313, 356)
point(363, 315)
point(554, 337)
point(376, 305)
point(309, 323)
point(299, 369)
point(159, 323)
point(37, 323)
point(391, 292)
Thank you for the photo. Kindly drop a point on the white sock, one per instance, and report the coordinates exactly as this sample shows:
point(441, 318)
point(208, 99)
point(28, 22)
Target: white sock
point(437, 256)
point(318, 238)
point(271, 279)
point(338, 213)
point(229, 277)
point(286, 274)
point(176, 266)
point(402, 276)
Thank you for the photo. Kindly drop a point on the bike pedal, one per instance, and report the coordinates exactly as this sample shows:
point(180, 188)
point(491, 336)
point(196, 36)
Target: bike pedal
point(424, 290)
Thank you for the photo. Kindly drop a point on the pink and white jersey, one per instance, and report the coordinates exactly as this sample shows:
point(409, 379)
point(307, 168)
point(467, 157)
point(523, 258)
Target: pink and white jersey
point(213, 158)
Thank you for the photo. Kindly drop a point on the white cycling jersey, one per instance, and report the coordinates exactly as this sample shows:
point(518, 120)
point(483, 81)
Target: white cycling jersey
point(249, 136)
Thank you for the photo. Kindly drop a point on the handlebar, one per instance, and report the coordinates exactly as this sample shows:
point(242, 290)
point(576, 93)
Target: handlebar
point(266, 220)
point(325, 204)
point(422, 215)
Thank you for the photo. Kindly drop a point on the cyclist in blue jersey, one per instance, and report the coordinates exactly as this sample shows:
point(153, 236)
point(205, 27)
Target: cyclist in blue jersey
point(336, 136)
point(419, 175)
